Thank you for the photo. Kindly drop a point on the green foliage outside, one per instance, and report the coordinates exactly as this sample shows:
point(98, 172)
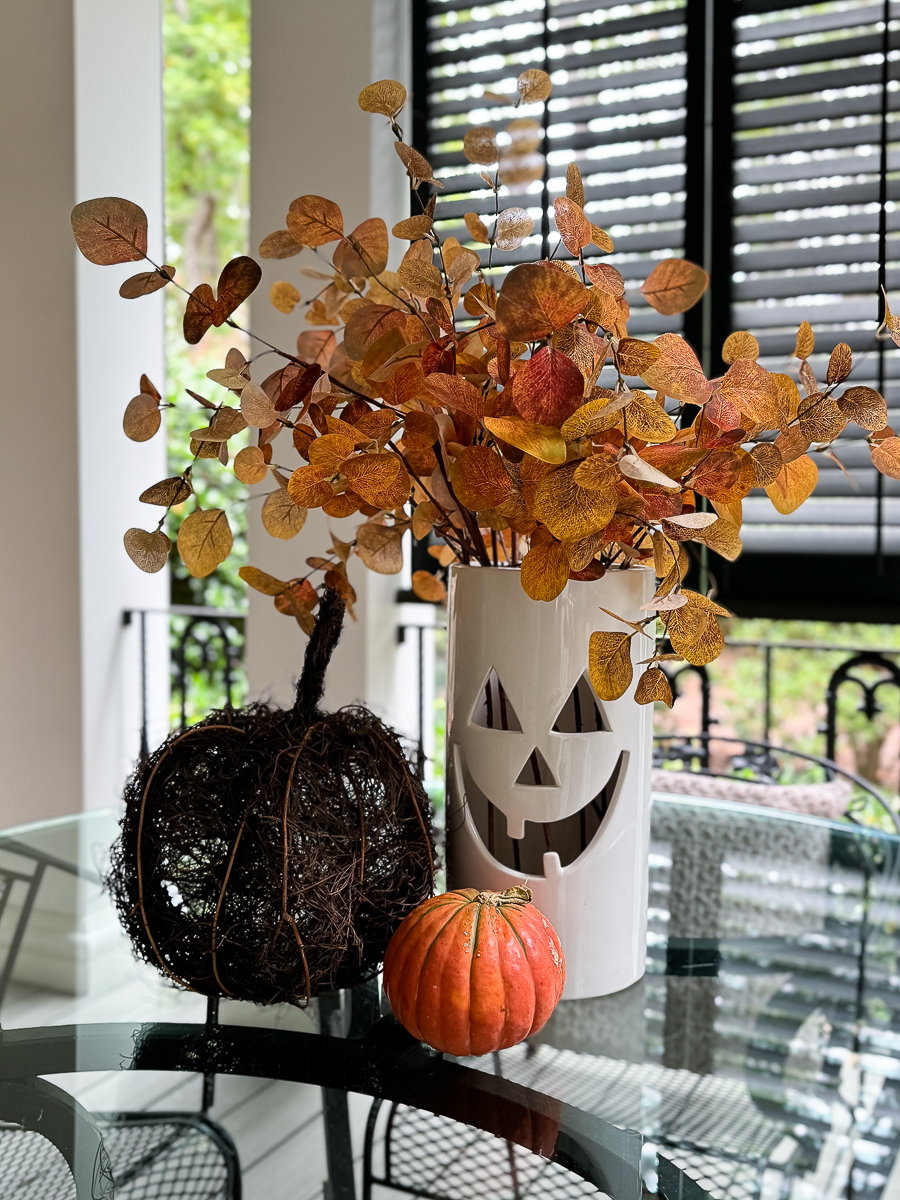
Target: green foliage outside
point(206, 90)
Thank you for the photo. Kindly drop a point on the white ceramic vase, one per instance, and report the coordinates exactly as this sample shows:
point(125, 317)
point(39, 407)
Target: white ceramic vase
point(547, 785)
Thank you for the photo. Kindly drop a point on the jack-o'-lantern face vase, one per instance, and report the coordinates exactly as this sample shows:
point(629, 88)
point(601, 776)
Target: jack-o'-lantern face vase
point(549, 787)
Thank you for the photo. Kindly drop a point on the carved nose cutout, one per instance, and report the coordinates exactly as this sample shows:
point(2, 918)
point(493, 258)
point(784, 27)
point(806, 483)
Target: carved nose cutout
point(536, 772)
point(581, 713)
point(494, 709)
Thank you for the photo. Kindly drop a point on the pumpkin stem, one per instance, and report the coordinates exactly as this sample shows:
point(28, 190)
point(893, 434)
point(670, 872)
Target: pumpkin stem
point(513, 895)
point(322, 642)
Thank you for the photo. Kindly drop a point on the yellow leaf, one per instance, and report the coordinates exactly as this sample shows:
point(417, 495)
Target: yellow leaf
point(260, 581)
point(646, 419)
point(281, 517)
point(540, 441)
point(740, 345)
point(284, 296)
point(793, 484)
point(545, 568)
point(204, 541)
point(569, 511)
point(653, 685)
point(387, 97)
point(380, 479)
point(806, 341)
point(609, 664)
point(428, 587)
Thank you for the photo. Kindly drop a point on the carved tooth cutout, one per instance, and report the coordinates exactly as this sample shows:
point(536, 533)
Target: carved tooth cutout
point(493, 709)
point(569, 837)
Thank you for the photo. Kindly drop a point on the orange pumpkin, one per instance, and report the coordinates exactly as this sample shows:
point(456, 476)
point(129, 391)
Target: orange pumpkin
point(470, 972)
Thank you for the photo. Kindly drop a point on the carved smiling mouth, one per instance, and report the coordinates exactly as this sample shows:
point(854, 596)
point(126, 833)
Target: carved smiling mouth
point(569, 837)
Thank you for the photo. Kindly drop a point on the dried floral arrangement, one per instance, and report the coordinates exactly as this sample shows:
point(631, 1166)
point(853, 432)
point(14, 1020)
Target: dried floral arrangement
point(448, 407)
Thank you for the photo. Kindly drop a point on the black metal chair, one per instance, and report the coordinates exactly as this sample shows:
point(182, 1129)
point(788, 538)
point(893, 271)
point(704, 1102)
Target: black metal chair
point(51, 1148)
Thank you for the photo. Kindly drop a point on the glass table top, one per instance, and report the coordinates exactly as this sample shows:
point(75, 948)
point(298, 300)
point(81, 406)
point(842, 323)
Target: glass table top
point(758, 1056)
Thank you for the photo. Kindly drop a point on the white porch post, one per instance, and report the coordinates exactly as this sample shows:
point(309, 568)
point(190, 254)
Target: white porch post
point(80, 116)
point(308, 135)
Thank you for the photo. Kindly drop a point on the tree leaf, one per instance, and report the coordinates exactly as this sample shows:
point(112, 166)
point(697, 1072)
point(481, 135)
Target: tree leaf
point(279, 244)
point(674, 286)
point(204, 541)
point(677, 371)
point(606, 279)
point(147, 550)
point(452, 391)
point(146, 283)
point(478, 230)
point(314, 221)
point(261, 581)
point(110, 230)
point(693, 520)
point(307, 487)
point(413, 228)
point(513, 226)
point(753, 391)
point(635, 468)
point(840, 363)
point(549, 388)
point(381, 479)
point(480, 145)
point(820, 419)
point(364, 252)
point(767, 463)
point(250, 465)
point(572, 512)
point(367, 325)
point(330, 450)
point(281, 517)
point(256, 407)
point(284, 296)
point(167, 492)
point(544, 572)
point(421, 278)
point(533, 84)
point(601, 239)
point(886, 457)
point(806, 341)
point(653, 686)
point(540, 441)
point(386, 97)
point(609, 664)
point(648, 420)
point(740, 345)
point(428, 587)
point(864, 406)
point(418, 168)
point(141, 418)
point(479, 479)
point(793, 484)
point(633, 356)
point(380, 547)
point(536, 299)
point(574, 186)
point(574, 227)
point(238, 280)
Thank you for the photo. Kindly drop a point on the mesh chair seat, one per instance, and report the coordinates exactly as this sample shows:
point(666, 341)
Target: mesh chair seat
point(152, 1156)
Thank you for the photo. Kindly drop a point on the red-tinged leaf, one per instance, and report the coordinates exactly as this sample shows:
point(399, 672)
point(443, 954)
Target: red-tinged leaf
point(606, 279)
point(367, 325)
point(549, 388)
point(538, 298)
point(574, 227)
point(454, 392)
point(674, 286)
point(438, 359)
point(296, 384)
point(238, 280)
point(364, 252)
point(722, 412)
point(110, 230)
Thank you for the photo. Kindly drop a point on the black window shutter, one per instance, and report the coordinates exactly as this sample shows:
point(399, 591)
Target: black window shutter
point(755, 138)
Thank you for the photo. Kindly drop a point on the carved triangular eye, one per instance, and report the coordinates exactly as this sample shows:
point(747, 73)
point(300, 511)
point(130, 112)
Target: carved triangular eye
point(536, 772)
point(494, 709)
point(581, 713)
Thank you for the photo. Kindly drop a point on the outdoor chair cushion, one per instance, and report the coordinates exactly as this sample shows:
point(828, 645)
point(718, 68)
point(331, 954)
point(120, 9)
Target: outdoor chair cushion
point(829, 799)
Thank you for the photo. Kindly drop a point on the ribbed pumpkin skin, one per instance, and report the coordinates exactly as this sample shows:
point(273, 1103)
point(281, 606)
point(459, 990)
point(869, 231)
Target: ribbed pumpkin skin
point(470, 972)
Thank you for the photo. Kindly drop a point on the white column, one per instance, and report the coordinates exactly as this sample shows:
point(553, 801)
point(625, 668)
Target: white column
point(80, 116)
point(308, 135)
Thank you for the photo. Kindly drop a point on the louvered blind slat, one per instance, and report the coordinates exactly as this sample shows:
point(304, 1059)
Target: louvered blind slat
point(806, 120)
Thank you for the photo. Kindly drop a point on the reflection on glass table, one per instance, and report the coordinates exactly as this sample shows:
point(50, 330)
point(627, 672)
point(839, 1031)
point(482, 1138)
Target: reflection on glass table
point(759, 1055)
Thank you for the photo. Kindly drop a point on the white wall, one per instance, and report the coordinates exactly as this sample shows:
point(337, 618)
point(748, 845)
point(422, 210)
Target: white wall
point(80, 116)
point(308, 135)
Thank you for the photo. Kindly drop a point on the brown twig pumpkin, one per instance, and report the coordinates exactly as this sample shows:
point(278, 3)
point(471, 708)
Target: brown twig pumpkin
point(269, 854)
